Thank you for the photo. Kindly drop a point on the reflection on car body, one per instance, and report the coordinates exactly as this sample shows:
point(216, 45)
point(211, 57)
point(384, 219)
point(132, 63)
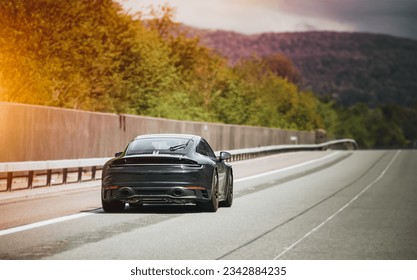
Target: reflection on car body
point(167, 168)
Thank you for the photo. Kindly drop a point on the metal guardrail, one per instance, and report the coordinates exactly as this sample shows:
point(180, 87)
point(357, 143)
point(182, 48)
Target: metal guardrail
point(33, 174)
point(342, 144)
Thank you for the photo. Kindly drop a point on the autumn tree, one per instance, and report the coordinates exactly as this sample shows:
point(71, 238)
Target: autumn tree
point(282, 66)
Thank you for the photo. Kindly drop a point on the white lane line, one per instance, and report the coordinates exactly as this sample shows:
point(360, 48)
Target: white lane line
point(43, 223)
point(341, 209)
point(286, 168)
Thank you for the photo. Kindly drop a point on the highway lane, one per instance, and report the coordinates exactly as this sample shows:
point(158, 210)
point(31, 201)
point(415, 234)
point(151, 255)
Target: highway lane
point(29, 206)
point(316, 205)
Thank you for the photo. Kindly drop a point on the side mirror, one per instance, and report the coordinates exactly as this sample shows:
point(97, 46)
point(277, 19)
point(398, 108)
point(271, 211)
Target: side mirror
point(118, 154)
point(225, 156)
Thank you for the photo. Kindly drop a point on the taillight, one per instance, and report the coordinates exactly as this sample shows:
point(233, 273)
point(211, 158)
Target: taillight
point(195, 188)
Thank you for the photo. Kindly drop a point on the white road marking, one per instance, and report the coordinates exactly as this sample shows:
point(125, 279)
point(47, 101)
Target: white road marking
point(286, 168)
point(43, 223)
point(341, 209)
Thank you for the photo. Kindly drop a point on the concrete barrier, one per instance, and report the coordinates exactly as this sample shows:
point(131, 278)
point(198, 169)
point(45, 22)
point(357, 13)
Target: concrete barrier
point(39, 133)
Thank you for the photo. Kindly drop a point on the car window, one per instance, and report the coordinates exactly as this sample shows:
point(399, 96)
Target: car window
point(165, 145)
point(205, 149)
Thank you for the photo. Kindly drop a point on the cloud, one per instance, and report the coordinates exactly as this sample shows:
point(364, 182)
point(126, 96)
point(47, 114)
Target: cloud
point(396, 17)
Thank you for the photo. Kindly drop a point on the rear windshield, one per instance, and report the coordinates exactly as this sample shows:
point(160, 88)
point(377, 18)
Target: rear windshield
point(165, 145)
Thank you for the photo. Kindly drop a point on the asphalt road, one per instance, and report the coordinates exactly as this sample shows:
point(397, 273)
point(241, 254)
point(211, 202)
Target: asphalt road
point(308, 205)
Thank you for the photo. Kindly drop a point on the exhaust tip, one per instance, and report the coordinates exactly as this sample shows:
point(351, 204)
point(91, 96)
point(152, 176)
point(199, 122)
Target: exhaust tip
point(126, 192)
point(178, 192)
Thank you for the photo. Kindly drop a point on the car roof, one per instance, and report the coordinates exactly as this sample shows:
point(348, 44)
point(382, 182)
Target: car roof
point(168, 135)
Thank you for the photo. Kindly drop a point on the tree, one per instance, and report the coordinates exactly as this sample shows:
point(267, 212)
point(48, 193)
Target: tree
point(282, 66)
point(370, 127)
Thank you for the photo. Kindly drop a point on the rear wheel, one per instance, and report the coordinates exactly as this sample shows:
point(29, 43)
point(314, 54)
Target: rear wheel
point(114, 206)
point(213, 204)
point(229, 198)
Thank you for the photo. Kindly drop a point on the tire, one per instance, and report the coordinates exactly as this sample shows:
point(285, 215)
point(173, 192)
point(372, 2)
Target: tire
point(114, 206)
point(213, 204)
point(229, 199)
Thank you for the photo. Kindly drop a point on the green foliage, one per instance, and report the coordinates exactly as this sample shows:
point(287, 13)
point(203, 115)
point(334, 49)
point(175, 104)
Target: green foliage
point(329, 117)
point(276, 102)
point(352, 67)
point(177, 105)
point(370, 127)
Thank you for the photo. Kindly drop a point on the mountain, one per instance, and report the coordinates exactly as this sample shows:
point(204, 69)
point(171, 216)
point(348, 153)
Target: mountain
point(349, 67)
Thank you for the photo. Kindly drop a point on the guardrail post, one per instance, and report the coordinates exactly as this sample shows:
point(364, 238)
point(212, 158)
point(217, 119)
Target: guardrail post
point(48, 177)
point(30, 179)
point(93, 173)
point(9, 181)
point(80, 174)
point(64, 175)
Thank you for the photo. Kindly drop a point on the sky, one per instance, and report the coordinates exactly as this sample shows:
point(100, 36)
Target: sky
point(393, 17)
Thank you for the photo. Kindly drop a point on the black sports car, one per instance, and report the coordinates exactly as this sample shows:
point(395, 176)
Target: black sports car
point(167, 168)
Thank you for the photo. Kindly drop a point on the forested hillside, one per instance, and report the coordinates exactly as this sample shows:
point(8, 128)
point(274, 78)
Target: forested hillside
point(350, 67)
point(370, 77)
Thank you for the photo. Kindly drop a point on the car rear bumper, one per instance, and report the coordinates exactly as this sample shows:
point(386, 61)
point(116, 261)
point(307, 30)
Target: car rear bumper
point(156, 195)
point(158, 184)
